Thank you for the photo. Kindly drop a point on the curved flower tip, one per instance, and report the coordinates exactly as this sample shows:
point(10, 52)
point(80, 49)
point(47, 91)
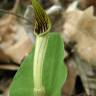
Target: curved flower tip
point(42, 21)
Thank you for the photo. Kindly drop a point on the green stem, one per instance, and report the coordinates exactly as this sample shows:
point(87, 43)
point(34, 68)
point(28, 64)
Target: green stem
point(40, 49)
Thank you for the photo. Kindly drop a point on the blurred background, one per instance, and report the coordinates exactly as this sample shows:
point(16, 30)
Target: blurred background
point(75, 21)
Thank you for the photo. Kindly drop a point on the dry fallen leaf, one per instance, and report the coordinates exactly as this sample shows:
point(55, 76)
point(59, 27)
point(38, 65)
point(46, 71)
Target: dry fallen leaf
point(80, 27)
point(14, 40)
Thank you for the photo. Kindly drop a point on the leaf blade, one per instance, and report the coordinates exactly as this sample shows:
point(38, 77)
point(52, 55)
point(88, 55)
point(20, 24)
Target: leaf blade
point(23, 81)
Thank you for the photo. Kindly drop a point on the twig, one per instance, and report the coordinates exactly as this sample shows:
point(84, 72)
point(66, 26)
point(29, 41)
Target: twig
point(11, 13)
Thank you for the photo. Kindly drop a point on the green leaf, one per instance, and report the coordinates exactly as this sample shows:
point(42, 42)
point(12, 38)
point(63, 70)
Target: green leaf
point(54, 70)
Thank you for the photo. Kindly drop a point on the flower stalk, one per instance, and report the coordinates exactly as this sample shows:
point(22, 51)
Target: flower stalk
point(40, 49)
